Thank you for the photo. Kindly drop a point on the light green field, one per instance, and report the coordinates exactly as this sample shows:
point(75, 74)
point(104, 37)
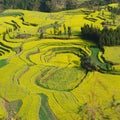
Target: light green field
point(42, 79)
point(112, 54)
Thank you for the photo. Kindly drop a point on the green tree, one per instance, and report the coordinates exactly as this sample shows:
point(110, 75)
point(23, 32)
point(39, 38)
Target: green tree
point(64, 27)
point(56, 28)
point(70, 4)
point(41, 33)
point(69, 32)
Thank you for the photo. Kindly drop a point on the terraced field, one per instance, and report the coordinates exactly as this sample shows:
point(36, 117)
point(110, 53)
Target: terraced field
point(42, 78)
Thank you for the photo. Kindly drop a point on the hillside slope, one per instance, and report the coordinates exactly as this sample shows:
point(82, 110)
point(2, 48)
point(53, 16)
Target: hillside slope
point(41, 76)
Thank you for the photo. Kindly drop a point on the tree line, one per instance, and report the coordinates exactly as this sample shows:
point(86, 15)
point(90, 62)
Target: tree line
point(115, 10)
point(52, 5)
point(40, 5)
point(104, 37)
point(99, 2)
point(57, 32)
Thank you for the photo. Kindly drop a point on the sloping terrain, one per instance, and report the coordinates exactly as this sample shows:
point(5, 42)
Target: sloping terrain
point(41, 76)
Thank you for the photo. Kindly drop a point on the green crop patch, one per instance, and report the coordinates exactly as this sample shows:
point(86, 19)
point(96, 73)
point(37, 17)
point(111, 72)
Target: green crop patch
point(11, 14)
point(45, 112)
point(3, 62)
point(63, 79)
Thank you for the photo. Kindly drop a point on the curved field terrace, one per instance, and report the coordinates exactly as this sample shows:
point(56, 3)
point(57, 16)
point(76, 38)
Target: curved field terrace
point(49, 72)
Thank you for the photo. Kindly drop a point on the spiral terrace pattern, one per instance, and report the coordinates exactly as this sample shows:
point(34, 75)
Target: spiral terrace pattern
point(43, 78)
point(43, 65)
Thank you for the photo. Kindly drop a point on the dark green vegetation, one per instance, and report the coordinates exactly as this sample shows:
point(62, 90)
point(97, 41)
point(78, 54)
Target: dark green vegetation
point(52, 5)
point(45, 112)
point(115, 10)
point(92, 63)
point(3, 62)
point(104, 37)
point(95, 3)
point(40, 5)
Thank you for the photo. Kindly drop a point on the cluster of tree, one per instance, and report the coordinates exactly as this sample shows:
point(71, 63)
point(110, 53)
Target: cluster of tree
point(91, 33)
point(13, 4)
point(88, 64)
point(40, 5)
point(52, 5)
point(110, 37)
point(56, 30)
point(115, 10)
point(104, 37)
point(93, 3)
